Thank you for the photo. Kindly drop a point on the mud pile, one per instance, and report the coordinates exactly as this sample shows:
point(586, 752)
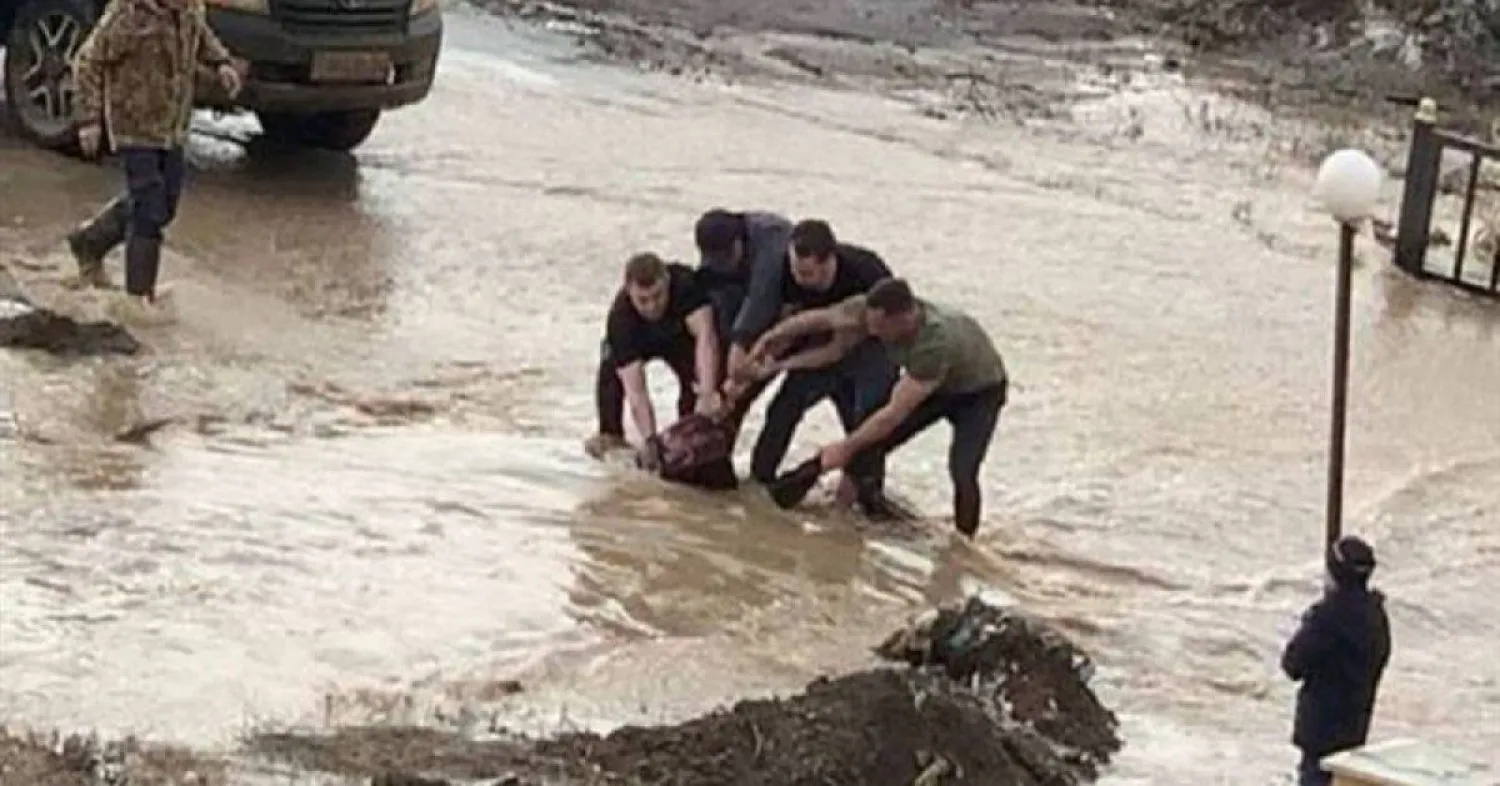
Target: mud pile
point(25, 325)
point(985, 697)
point(75, 760)
point(1453, 40)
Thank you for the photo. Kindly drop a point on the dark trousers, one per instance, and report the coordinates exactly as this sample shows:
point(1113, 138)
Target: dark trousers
point(1309, 773)
point(153, 184)
point(973, 416)
point(856, 392)
point(609, 391)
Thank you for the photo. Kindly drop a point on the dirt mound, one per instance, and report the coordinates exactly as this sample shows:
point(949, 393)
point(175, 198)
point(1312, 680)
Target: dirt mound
point(1228, 23)
point(1423, 44)
point(989, 697)
point(76, 760)
point(874, 728)
point(1039, 676)
point(23, 326)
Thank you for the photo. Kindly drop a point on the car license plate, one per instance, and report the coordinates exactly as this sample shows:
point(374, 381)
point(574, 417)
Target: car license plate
point(351, 67)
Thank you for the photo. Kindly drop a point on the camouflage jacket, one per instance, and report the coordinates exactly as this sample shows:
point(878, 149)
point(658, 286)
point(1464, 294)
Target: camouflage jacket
point(136, 70)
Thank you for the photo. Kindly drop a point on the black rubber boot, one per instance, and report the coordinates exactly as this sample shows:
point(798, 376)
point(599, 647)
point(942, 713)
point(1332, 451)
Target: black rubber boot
point(92, 240)
point(873, 502)
point(142, 263)
point(790, 488)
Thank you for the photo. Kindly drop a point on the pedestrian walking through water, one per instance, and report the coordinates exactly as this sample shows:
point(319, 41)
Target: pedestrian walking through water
point(135, 78)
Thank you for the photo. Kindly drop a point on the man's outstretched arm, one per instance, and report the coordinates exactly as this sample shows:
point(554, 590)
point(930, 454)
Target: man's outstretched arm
point(705, 355)
point(836, 319)
point(638, 398)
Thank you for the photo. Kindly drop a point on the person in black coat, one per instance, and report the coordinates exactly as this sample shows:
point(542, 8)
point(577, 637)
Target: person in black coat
point(1338, 654)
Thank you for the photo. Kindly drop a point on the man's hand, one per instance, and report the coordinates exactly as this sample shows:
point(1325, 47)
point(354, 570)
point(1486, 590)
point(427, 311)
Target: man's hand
point(739, 363)
point(649, 456)
point(733, 389)
point(847, 493)
point(89, 138)
point(836, 455)
point(770, 345)
point(230, 79)
point(756, 368)
point(709, 403)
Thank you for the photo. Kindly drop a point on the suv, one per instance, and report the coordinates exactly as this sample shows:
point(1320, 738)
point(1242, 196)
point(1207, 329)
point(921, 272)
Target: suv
point(320, 71)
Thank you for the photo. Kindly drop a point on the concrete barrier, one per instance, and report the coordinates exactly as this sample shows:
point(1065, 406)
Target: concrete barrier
point(1405, 763)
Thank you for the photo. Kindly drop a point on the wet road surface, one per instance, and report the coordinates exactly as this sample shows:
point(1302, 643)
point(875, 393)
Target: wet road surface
point(372, 502)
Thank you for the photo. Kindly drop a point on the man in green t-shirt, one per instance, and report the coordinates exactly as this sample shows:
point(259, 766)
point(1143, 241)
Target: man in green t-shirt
point(950, 371)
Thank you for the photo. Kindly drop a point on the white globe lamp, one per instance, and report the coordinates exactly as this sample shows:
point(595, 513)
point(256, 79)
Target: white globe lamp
point(1348, 185)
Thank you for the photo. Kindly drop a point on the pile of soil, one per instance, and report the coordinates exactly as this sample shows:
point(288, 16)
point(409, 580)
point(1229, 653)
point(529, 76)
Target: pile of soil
point(1040, 677)
point(23, 326)
point(790, 39)
point(987, 697)
point(1446, 47)
point(76, 760)
point(1285, 54)
point(1223, 24)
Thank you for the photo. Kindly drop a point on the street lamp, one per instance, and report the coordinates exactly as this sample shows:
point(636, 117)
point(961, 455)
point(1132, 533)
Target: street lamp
point(1347, 186)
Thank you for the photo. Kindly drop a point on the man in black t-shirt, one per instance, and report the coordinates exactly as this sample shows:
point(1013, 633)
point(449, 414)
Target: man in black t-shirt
point(822, 272)
point(660, 313)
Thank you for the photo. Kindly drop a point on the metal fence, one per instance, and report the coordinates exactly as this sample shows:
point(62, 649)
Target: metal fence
point(1474, 262)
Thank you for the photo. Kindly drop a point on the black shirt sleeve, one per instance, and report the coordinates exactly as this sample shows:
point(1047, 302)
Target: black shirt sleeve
point(867, 266)
point(622, 333)
point(688, 292)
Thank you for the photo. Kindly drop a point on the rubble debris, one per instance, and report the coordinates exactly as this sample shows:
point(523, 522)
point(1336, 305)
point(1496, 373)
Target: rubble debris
point(79, 760)
point(984, 696)
point(24, 325)
point(1455, 42)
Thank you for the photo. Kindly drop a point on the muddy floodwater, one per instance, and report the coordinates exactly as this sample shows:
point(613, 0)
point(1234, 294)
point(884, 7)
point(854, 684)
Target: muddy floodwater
point(371, 503)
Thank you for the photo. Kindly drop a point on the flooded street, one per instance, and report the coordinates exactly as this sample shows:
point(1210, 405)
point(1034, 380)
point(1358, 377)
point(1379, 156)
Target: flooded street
point(372, 503)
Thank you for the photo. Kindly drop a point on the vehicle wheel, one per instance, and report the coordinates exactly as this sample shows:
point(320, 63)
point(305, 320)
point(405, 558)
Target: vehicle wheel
point(39, 86)
point(342, 131)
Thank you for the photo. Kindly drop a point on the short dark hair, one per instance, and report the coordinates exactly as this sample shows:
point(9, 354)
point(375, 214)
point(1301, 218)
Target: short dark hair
point(645, 269)
point(717, 229)
point(891, 296)
point(813, 238)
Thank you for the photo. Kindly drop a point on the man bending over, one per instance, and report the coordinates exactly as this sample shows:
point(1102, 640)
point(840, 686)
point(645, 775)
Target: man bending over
point(660, 313)
point(950, 371)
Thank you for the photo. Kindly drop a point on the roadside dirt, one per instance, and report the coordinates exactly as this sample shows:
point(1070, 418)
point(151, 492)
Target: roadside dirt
point(32, 760)
point(27, 327)
point(998, 59)
point(989, 698)
point(1009, 59)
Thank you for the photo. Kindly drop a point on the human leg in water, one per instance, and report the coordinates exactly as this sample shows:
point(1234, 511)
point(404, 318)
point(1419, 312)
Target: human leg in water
point(91, 241)
point(974, 417)
point(154, 178)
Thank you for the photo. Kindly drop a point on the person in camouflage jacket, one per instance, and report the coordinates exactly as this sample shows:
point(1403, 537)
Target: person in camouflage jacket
point(135, 77)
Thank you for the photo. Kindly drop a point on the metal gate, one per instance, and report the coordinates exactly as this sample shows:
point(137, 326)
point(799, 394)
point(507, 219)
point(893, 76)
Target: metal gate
point(1474, 262)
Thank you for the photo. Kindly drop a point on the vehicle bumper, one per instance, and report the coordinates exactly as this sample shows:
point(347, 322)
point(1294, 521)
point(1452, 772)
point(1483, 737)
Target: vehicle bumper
point(280, 64)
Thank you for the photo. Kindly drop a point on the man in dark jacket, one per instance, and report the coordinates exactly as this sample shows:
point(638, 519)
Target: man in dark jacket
point(821, 272)
point(1338, 654)
point(743, 258)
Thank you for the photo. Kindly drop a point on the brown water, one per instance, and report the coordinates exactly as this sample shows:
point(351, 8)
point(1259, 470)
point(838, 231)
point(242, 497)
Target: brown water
point(374, 505)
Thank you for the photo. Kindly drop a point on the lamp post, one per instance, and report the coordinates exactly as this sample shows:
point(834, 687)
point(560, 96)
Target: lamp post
point(1347, 186)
